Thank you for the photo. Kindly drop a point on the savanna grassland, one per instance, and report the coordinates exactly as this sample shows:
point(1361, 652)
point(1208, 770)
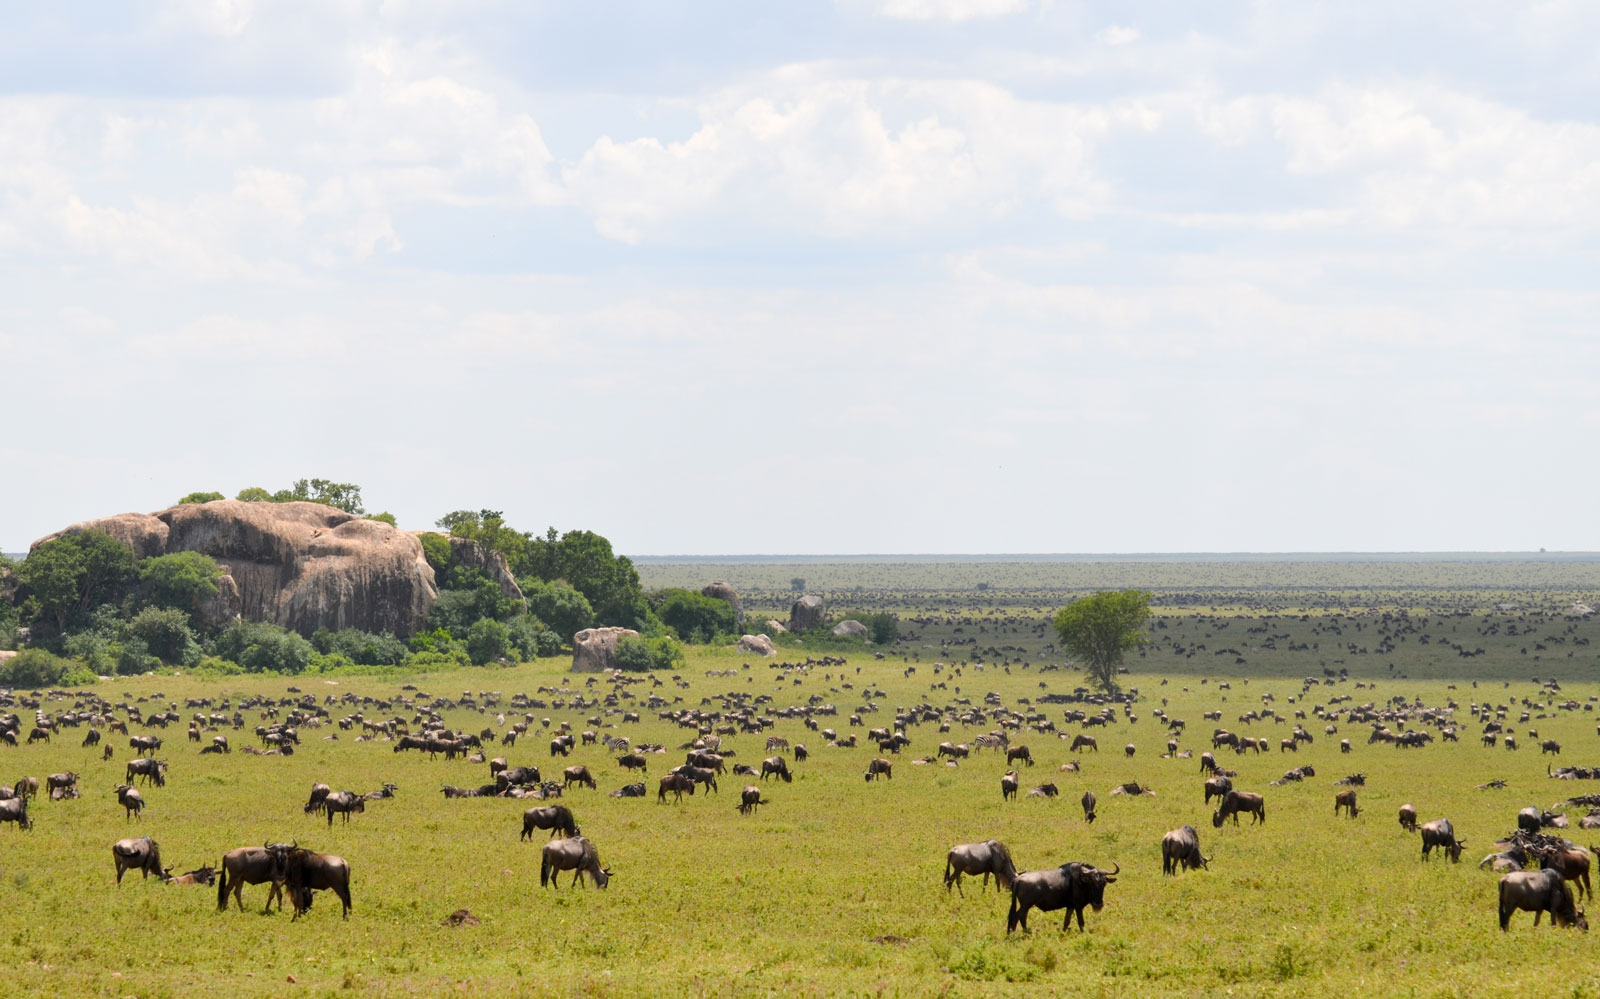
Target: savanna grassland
point(835, 886)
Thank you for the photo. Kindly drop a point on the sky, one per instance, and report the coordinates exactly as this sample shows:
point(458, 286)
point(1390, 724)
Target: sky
point(849, 276)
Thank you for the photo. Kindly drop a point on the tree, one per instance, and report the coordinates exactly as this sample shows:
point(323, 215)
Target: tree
point(165, 633)
point(181, 579)
point(254, 494)
point(200, 498)
point(487, 640)
point(1100, 627)
point(798, 584)
point(76, 572)
point(386, 517)
point(695, 617)
point(344, 495)
point(558, 605)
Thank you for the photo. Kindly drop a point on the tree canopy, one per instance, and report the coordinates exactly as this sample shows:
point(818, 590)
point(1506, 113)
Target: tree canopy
point(1100, 627)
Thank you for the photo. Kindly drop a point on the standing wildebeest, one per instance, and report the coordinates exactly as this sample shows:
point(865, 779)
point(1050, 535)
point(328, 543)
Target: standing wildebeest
point(1539, 892)
point(1571, 862)
point(556, 818)
point(1344, 745)
point(1070, 887)
point(1528, 820)
point(1235, 802)
point(1088, 801)
point(129, 797)
point(776, 765)
point(1217, 787)
point(305, 872)
point(1408, 817)
point(140, 854)
point(880, 766)
point(250, 865)
point(700, 775)
point(1180, 850)
point(55, 782)
point(1345, 799)
point(989, 857)
point(1081, 741)
point(1016, 753)
point(634, 761)
point(319, 792)
point(145, 743)
point(577, 775)
point(1549, 746)
point(343, 802)
point(149, 769)
point(1208, 763)
point(16, 810)
point(677, 784)
point(749, 799)
point(1440, 833)
point(576, 854)
point(1008, 785)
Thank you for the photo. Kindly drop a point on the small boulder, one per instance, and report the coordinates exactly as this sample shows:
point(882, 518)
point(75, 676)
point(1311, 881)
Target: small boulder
point(805, 613)
point(776, 627)
point(761, 645)
point(595, 649)
point(851, 629)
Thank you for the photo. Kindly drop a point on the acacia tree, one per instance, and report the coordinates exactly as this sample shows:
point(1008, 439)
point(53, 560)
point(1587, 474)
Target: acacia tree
point(1100, 627)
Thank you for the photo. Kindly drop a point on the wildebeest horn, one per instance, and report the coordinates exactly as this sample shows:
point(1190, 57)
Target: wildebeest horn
point(1116, 869)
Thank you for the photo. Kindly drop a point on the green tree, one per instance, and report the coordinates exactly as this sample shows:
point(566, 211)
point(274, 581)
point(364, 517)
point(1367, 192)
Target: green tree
point(386, 517)
point(436, 549)
point(254, 494)
point(1100, 627)
point(181, 579)
point(798, 584)
point(558, 605)
point(695, 617)
point(883, 629)
point(166, 635)
point(264, 648)
point(75, 572)
point(32, 668)
point(200, 498)
point(640, 655)
point(344, 495)
point(487, 640)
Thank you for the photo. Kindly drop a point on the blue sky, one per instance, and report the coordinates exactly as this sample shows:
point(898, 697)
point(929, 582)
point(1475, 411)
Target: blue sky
point(863, 276)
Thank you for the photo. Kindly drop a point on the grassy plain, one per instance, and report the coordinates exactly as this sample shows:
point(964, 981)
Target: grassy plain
point(835, 887)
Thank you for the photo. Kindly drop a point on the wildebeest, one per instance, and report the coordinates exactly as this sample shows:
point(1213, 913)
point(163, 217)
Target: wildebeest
point(319, 792)
point(953, 751)
point(1440, 833)
point(130, 798)
point(1539, 892)
point(305, 872)
point(343, 802)
point(1019, 753)
point(1237, 801)
point(576, 854)
point(1088, 801)
point(1180, 850)
point(1071, 887)
point(1081, 741)
point(1208, 762)
point(629, 791)
point(634, 761)
point(1347, 800)
point(16, 810)
point(988, 857)
point(556, 818)
point(150, 769)
point(1571, 861)
point(776, 765)
point(1344, 745)
point(1008, 785)
point(1408, 817)
point(880, 766)
point(677, 784)
point(250, 865)
point(1528, 820)
point(141, 854)
point(700, 775)
point(1217, 787)
point(1549, 746)
point(750, 799)
point(577, 775)
point(206, 875)
point(29, 786)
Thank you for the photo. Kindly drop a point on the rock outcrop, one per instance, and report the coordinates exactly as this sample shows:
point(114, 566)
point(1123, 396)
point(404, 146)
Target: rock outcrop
point(724, 591)
point(488, 561)
point(303, 566)
point(851, 629)
point(761, 645)
point(776, 627)
point(805, 613)
point(595, 649)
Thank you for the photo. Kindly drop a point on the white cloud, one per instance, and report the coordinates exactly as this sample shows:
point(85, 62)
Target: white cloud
point(1116, 35)
point(942, 10)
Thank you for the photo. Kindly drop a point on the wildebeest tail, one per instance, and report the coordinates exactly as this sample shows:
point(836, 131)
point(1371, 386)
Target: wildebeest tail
point(222, 885)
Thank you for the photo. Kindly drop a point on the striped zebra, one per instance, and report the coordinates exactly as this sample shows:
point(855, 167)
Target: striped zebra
point(777, 742)
point(618, 743)
point(991, 740)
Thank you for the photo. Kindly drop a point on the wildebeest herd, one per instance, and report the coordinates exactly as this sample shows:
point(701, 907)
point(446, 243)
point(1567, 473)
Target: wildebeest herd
point(1537, 868)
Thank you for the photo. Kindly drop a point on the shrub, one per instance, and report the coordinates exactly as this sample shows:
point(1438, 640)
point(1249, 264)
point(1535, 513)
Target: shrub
point(549, 644)
point(695, 617)
point(181, 580)
point(165, 633)
point(487, 640)
point(264, 648)
point(200, 498)
point(362, 648)
point(640, 655)
point(436, 549)
point(558, 605)
point(33, 668)
point(429, 660)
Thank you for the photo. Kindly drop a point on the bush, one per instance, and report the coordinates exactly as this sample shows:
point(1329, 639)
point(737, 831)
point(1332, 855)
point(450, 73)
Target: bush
point(165, 633)
point(200, 498)
point(549, 644)
point(695, 617)
point(881, 628)
point(558, 605)
point(213, 666)
point(180, 580)
point(436, 549)
point(33, 668)
point(640, 655)
point(264, 648)
point(363, 648)
point(430, 661)
point(487, 640)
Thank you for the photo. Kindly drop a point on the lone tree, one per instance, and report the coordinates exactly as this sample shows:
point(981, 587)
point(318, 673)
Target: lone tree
point(1100, 627)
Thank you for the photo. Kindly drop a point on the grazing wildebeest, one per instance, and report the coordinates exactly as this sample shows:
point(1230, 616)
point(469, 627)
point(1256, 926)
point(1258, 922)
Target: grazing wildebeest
point(1088, 801)
point(27, 787)
point(91, 738)
point(145, 743)
point(1346, 799)
point(1440, 833)
point(150, 769)
point(305, 872)
point(319, 792)
point(629, 791)
point(577, 775)
point(219, 743)
point(1549, 746)
point(1180, 850)
point(129, 797)
point(1217, 787)
point(677, 784)
point(988, 857)
point(1408, 817)
point(556, 818)
point(1208, 762)
point(1539, 892)
point(750, 799)
point(16, 810)
point(206, 875)
point(954, 751)
point(1071, 887)
point(880, 766)
point(140, 854)
point(251, 865)
point(576, 854)
point(700, 775)
point(634, 761)
point(1008, 785)
point(1081, 741)
point(1016, 753)
point(343, 802)
point(1235, 802)
point(776, 765)
point(560, 746)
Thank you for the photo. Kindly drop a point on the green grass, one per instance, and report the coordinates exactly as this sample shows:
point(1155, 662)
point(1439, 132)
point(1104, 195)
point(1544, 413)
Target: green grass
point(835, 888)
